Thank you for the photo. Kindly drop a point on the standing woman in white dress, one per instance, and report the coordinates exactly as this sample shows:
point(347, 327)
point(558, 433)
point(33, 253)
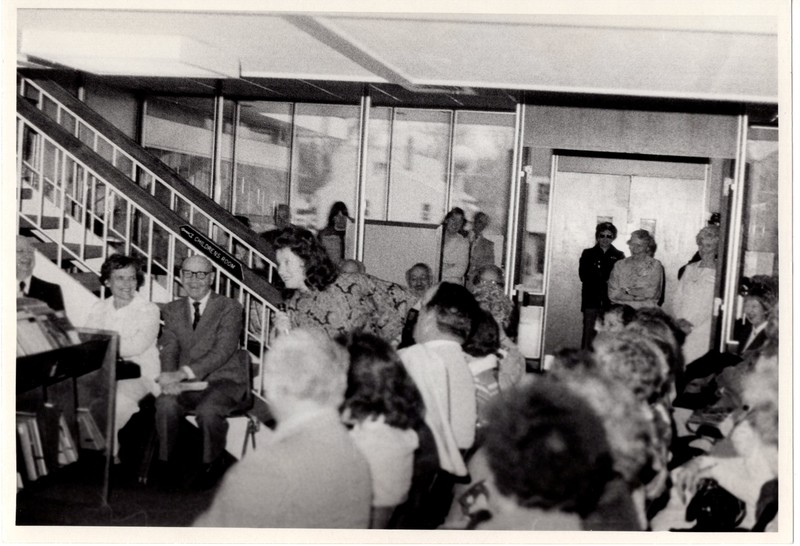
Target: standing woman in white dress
point(693, 304)
point(137, 322)
point(455, 248)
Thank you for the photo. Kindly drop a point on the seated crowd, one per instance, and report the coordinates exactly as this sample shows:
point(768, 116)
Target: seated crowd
point(410, 407)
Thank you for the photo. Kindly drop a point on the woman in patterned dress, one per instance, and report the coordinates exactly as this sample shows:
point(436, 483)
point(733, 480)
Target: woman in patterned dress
point(322, 298)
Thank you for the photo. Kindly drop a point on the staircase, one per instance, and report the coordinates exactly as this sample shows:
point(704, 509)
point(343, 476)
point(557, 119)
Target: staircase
point(85, 190)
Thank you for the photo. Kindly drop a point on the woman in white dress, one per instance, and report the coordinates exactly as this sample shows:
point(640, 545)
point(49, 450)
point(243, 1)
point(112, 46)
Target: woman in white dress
point(137, 322)
point(693, 304)
point(455, 248)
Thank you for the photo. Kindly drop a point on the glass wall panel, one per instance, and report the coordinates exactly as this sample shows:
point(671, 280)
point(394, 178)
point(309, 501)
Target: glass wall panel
point(420, 143)
point(759, 215)
point(180, 131)
point(324, 164)
point(380, 127)
point(226, 154)
point(533, 224)
point(263, 154)
point(482, 154)
point(759, 228)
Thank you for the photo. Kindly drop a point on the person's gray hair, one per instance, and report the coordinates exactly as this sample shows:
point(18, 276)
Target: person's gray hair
point(708, 233)
point(307, 364)
point(644, 236)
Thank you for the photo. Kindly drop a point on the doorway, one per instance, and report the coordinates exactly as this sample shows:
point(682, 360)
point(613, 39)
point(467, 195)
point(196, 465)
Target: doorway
point(667, 198)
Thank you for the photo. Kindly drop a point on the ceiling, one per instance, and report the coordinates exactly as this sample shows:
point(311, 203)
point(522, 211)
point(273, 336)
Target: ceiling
point(697, 56)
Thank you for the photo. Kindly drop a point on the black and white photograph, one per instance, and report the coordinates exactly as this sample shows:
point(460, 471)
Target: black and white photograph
point(371, 272)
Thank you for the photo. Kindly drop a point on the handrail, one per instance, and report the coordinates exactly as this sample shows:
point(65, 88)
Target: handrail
point(67, 177)
point(141, 168)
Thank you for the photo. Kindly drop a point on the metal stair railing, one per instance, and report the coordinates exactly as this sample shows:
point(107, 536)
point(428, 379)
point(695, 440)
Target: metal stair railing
point(97, 207)
point(141, 168)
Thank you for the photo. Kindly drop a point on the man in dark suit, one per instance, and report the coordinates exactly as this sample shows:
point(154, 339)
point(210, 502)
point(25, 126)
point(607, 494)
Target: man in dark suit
point(34, 287)
point(200, 342)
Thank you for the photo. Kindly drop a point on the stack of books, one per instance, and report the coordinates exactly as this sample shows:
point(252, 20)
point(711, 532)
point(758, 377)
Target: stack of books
point(40, 328)
point(32, 449)
point(30, 444)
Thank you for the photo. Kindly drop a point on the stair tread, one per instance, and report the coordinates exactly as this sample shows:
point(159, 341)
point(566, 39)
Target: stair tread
point(88, 279)
point(50, 250)
point(46, 222)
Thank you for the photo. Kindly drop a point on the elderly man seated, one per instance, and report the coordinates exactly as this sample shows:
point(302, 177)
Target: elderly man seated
point(310, 474)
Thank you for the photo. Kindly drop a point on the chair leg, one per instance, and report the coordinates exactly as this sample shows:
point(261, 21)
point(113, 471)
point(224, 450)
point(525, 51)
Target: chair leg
point(252, 427)
point(147, 457)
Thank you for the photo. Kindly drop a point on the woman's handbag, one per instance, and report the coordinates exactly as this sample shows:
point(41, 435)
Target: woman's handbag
point(714, 508)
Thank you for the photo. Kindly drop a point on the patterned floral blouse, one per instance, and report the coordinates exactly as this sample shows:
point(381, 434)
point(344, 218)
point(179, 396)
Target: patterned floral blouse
point(492, 299)
point(352, 301)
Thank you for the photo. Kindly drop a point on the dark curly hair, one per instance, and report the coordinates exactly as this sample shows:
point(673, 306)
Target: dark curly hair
point(121, 261)
point(455, 309)
point(320, 270)
point(543, 425)
point(378, 383)
point(484, 339)
point(336, 208)
point(605, 226)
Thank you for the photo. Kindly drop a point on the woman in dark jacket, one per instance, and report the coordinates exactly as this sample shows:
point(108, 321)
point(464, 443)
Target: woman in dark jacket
point(594, 269)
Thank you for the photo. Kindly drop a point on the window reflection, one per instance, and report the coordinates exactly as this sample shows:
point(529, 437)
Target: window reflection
point(759, 215)
point(482, 151)
point(533, 230)
point(179, 131)
point(380, 127)
point(418, 188)
point(263, 151)
point(325, 162)
point(226, 154)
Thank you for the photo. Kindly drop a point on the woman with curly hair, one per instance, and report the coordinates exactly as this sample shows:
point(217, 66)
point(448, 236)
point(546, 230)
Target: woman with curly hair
point(384, 409)
point(635, 361)
point(630, 433)
point(320, 297)
point(487, 287)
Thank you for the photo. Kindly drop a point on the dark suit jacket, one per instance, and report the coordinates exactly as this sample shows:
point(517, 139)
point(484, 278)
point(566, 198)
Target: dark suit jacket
point(211, 351)
point(47, 292)
point(594, 268)
point(741, 333)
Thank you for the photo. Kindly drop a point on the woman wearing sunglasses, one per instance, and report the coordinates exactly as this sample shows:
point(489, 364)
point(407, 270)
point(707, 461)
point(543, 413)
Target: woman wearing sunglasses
point(594, 269)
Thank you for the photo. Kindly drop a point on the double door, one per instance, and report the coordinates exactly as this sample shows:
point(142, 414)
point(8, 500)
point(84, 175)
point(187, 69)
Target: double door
point(672, 209)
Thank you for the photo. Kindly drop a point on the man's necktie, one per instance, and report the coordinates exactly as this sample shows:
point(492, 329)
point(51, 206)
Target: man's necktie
point(22, 287)
point(196, 314)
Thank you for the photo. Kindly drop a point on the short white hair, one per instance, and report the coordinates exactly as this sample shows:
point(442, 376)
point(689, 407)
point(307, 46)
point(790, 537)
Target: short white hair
point(307, 364)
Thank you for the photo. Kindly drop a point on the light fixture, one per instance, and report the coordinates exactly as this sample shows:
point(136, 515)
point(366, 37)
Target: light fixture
point(123, 54)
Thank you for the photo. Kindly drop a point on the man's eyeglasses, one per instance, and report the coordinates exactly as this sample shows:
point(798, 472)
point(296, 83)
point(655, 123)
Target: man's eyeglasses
point(605, 236)
point(186, 274)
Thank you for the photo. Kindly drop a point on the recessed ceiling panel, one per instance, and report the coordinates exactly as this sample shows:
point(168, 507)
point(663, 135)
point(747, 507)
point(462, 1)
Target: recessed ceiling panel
point(710, 57)
point(659, 62)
